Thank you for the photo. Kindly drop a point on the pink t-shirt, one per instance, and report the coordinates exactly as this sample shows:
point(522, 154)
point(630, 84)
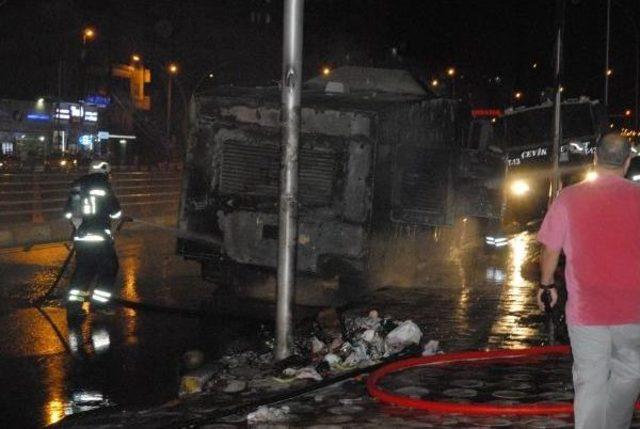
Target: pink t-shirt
point(597, 225)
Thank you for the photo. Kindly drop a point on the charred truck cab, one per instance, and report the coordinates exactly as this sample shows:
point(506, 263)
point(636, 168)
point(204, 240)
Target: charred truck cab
point(376, 152)
point(525, 137)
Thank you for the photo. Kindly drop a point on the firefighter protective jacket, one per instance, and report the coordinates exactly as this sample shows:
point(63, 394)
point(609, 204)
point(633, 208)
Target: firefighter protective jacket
point(93, 203)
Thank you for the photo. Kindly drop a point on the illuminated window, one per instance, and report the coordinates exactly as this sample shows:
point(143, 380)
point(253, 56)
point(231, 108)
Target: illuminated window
point(7, 148)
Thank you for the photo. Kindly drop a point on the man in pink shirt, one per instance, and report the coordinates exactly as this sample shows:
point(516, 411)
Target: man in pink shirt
point(597, 225)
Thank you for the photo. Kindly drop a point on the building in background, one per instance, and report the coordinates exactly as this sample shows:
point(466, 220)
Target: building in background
point(33, 131)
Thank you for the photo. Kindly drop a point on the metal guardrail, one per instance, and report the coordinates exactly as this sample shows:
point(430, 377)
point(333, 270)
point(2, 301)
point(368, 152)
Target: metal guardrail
point(40, 196)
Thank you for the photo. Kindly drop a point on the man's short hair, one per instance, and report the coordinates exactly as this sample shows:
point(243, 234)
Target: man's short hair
point(613, 150)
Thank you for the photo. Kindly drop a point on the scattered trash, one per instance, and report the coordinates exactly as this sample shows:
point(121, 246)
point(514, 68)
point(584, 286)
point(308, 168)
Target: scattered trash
point(317, 346)
point(332, 359)
point(235, 386)
point(336, 343)
point(196, 381)
point(265, 414)
point(358, 355)
point(431, 348)
point(332, 346)
point(406, 334)
point(303, 373)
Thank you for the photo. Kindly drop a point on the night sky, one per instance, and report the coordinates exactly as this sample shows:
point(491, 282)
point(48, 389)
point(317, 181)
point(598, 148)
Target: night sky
point(483, 39)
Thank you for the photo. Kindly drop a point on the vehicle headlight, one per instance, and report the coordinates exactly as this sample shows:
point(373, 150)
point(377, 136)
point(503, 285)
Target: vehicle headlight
point(635, 177)
point(63, 162)
point(519, 188)
point(592, 175)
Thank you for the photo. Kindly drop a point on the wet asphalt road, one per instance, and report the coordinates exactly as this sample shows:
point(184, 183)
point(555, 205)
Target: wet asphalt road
point(132, 357)
point(458, 292)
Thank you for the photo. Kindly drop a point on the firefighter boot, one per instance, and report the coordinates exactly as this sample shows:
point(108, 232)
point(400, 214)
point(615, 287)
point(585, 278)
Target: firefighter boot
point(102, 301)
point(75, 300)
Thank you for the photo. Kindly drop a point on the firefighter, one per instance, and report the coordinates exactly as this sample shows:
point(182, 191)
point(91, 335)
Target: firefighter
point(91, 208)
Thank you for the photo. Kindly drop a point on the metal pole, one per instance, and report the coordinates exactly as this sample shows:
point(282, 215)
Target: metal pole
point(169, 84)
point(606, 67)
point(291, 86)
point(634, 23)
point(637, 89)
point(557, 118)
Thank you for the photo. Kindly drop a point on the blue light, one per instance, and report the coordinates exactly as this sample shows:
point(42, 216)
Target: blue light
point(86, 140)
point(37, 117)
point(99, 100)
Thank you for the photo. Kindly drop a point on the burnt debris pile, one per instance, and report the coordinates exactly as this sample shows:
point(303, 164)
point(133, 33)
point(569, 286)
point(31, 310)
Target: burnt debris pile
point(334, 345)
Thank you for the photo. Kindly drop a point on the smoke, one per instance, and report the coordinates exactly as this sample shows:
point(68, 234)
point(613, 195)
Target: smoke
point(409, 255)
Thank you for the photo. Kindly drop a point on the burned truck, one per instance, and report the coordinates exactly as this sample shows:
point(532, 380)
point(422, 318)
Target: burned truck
point(525, 137)
point(377, 152)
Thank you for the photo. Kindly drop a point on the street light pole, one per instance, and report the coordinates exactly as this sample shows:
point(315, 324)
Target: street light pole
point(634, 25)
point(557, 117)
point(173, 70)
point(606, 66)
point(288, 205)
point(169, 87)
point(451, 72)
point(637, 89)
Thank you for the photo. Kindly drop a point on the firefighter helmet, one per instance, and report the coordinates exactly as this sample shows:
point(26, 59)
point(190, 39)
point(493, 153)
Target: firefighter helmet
point(100, 167)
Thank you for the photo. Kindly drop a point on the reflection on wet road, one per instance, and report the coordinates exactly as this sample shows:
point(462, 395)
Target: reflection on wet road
point(470, 297)
point(515, 298)
point(462, 294)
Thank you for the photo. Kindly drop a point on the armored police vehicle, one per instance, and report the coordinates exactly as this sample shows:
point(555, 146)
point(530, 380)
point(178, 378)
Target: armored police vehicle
point(525, 136)
point(377, 154)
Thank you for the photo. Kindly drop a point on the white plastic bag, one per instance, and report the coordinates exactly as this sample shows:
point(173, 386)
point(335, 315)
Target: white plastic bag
point(406, 334)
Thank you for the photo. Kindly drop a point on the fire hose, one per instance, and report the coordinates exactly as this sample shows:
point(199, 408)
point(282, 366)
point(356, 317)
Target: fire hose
point(444, 407)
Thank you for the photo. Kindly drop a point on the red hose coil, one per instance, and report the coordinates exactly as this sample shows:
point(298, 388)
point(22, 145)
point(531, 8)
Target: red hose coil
point(471, 409)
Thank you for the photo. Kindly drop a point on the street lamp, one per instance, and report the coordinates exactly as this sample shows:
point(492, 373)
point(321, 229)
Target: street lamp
point(88, 34)
point(135, 58)
point(609, 72)
point(326, 71)
point(517, 95)
point(627, 112)
point(172, 70)
point(435, 83)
